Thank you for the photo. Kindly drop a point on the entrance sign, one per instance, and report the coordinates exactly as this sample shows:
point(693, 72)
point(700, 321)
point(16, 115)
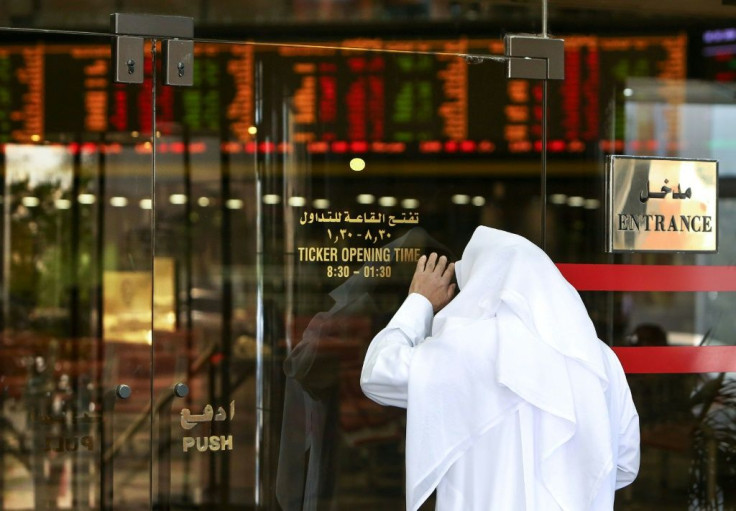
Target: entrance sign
point(656, 204)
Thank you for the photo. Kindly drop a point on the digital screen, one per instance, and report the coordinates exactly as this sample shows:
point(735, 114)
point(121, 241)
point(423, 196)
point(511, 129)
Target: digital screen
point(416, 98)
point(719, 54)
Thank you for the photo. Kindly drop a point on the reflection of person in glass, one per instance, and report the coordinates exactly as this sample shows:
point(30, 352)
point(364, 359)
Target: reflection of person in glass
point(512, 403)
point(325, 411)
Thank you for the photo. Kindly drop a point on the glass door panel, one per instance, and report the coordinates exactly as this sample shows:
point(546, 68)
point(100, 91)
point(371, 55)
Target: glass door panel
point(76, 277)
point(186, 298)
point(296, 186)
point(644, 93)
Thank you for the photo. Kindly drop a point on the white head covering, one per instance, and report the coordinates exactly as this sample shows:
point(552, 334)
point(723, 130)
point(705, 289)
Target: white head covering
point(516, 332)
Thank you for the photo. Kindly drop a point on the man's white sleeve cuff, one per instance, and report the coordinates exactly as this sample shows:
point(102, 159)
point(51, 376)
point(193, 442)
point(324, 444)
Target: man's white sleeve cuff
point(414, 318)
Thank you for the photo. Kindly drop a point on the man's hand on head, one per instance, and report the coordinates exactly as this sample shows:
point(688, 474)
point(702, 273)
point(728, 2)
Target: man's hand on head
point(433, 280)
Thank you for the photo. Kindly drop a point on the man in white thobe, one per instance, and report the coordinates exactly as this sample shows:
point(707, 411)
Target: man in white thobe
point(513, 403)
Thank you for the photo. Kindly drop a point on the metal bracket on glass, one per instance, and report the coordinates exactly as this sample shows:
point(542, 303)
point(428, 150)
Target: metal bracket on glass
point(178, 62)
point(176, 32)
point(128, 54)
point(534, 57)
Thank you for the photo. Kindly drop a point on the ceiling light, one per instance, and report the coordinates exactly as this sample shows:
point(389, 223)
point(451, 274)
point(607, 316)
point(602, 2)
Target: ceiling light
point(357, 164)
point(297, 202)
point(387, 201)
point(558, 198)
point(86, 198)
point(460, 198)
point(575, 202)
point(410, 203)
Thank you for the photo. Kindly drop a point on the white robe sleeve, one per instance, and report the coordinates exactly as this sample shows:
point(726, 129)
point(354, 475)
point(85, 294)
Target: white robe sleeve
point(629, 453)
point(385, 375)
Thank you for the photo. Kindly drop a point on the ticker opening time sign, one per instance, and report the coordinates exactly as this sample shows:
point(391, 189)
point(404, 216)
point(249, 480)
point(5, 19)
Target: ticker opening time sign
point(659, 204)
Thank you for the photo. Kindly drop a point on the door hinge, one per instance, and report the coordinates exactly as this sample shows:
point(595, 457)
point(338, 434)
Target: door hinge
point(176, 34)
point(534, 57)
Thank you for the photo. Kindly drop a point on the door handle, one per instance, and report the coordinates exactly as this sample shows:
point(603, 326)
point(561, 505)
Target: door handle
point(181, 390)
point(164, 438)
point(123, 391)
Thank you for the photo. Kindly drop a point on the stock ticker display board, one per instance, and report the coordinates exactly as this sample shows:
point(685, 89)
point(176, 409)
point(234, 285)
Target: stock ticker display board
point(413, 98)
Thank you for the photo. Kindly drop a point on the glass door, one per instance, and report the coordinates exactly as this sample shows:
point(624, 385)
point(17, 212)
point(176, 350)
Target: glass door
point(668, 315)
point(76, 277)
point(296, 187)
point(188, 296)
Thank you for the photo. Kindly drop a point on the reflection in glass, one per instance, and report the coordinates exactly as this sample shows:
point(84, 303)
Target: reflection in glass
point(244, 304)
point(332, 434)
